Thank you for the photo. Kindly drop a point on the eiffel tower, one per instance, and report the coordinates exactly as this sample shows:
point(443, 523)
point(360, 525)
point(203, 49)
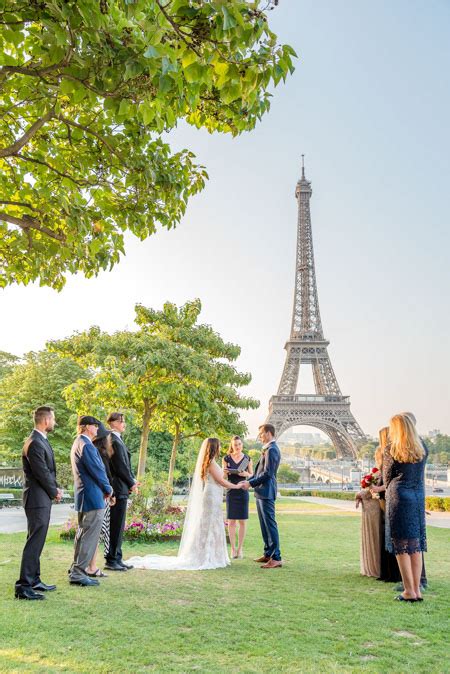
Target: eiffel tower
point(327, 410)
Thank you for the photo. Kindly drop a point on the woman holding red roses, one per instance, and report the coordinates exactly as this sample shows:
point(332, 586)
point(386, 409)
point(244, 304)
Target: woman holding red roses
point(372, 517)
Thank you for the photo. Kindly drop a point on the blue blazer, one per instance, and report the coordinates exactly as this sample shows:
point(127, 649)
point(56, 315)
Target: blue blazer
point(91, 481)
point(264, 480)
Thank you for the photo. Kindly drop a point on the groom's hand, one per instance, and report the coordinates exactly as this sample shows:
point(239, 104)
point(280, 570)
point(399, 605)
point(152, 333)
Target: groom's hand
point(245, 485)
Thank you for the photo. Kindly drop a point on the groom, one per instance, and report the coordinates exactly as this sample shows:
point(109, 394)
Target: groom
point(264, 483)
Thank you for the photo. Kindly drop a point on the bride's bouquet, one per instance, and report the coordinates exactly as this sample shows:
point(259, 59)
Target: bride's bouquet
point(371, 480)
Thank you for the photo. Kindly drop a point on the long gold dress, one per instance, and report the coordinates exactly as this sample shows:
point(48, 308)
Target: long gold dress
point(370, 556)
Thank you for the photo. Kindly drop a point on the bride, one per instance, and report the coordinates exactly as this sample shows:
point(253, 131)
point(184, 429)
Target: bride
point(203, 544)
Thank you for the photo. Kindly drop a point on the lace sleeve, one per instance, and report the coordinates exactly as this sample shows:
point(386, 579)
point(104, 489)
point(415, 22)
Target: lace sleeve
point(388, 468)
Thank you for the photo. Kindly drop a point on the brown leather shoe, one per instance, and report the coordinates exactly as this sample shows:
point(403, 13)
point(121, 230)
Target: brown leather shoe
point(272, 564)
point(262, 559)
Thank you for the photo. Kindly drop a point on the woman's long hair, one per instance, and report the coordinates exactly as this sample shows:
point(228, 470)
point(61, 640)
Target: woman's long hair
point(104, 446)
point(235, 437)
point(383, 438)
point(406, 446)
point(211, 452)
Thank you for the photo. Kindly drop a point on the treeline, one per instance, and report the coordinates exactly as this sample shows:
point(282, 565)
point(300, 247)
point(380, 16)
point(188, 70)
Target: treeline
point(173, 378)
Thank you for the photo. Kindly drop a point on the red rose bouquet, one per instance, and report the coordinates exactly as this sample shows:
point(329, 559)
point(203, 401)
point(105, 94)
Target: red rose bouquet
point(371, 480)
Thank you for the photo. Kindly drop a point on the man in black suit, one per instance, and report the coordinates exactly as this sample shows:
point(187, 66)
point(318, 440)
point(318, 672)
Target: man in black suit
point(40, 488)
point(123, 483)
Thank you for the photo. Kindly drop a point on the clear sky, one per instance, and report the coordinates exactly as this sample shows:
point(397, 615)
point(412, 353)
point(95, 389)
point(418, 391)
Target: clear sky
point(369, 106)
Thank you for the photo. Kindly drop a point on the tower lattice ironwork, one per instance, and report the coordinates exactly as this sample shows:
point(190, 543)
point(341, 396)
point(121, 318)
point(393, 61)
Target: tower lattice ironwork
point(327, 410)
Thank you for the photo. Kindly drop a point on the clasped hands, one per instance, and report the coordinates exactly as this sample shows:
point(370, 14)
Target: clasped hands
point(244, 485)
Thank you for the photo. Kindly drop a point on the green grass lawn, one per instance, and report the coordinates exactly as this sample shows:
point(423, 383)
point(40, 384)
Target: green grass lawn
point(316, 614)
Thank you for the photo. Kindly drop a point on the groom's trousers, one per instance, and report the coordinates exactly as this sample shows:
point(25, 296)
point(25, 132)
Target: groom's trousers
point(269, 528)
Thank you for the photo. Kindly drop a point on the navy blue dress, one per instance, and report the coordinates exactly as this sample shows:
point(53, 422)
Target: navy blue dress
point(237, 499)
point(405, 505)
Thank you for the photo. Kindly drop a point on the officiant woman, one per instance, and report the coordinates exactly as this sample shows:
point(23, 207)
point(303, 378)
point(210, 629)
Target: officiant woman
point(237, 467)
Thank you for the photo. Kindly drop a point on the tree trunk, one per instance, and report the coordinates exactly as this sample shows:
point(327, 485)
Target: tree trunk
point(148, 409)
point(173, 456)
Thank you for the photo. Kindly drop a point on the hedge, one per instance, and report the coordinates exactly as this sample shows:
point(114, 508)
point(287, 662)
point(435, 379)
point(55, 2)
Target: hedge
point(17, 493)
point(343, 495)
point(438, 503)
point(434, 503)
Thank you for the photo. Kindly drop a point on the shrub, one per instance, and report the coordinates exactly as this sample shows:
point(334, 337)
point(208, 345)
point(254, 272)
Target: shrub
point(438, 503)
point(150, 517)
point(287, 474)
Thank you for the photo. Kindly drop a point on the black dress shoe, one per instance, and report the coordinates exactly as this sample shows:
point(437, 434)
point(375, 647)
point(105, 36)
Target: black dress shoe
point(27, 593)
point(85, 582)
point(115, 566)
point(42, 587)
point(126, 566)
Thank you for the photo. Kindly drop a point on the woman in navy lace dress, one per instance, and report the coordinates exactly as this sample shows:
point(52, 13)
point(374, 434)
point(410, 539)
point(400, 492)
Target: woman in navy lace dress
point(237, 467)
point(404, 478)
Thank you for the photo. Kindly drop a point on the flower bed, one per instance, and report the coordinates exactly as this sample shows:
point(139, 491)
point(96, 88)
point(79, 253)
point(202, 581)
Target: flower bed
point(150, 517)
point(149, 532)
point(136, 531)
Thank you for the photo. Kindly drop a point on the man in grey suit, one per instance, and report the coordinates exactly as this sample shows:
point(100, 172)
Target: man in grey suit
point(92, 490)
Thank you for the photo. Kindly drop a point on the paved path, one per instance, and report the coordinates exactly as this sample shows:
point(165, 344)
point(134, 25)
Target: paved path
point(13, 520)
point(434, 519)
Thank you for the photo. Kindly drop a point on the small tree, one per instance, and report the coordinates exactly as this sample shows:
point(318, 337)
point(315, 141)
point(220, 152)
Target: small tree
point(287, 474)
point(37, 380)
point(171, 373)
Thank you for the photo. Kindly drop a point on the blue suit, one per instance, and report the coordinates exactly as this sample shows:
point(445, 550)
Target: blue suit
point(264, 483)
point(91, 480)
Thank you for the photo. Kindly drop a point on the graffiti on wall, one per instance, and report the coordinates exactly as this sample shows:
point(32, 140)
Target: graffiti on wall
point(11, 478)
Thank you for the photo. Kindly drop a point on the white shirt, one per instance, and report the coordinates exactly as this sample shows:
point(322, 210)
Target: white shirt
point(44, 435)
point(117, 433)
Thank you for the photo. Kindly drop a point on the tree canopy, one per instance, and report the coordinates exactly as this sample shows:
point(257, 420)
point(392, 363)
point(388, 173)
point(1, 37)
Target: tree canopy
point(87, 88)
point(39, 379)
point(172, 373)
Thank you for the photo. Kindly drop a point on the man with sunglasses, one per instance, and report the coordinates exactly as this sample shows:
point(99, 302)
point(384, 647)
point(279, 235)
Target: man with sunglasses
point(92, 490)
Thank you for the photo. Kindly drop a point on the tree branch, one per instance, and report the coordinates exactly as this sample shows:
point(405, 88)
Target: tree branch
point(92, 133)
point(26, 223)
point(177, 28)
point(80, 183)
point(19, 203)
point(34, 128)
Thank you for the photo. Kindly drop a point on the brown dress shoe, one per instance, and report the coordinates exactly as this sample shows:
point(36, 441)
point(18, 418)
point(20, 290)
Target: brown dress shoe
point(272, 564)
point(262, 559)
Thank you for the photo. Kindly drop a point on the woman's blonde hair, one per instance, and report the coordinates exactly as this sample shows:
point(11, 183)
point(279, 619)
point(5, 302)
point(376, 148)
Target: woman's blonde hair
point(383, 438)
point(211, 451)
point(406, 446)
point(235, 437)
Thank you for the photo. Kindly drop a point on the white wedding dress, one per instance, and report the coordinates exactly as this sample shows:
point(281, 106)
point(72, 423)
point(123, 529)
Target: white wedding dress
point(203, 543)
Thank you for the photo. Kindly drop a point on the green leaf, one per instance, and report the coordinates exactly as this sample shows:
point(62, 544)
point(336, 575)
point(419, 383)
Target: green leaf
point(152, 52)
point(229, 21)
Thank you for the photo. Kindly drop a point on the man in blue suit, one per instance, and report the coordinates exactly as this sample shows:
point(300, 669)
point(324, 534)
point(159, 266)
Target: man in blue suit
point(264, 483)
point(92, 489)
